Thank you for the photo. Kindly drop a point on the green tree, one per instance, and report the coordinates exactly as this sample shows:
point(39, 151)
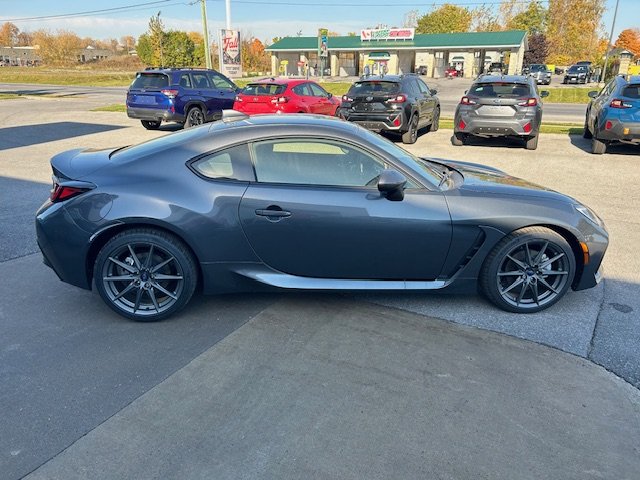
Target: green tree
point(144, 49)
point(446, 19)
point(573, 30)
point(177, 49)
point(533, 19)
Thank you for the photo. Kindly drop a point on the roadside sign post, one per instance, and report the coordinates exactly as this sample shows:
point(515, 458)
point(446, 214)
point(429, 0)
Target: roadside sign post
point(323, 48)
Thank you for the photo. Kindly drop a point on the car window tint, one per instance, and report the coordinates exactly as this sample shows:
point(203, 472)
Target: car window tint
point(631, 91)
point(423, 87)
point(302, 90)
point(264, 89)
point(317, 90)
point(315, 162)
point(220, 82)
point(150, 80)
point(185, 80)
point(231, 164)
point(500, 89)
point(200, 80)
point(373, 86)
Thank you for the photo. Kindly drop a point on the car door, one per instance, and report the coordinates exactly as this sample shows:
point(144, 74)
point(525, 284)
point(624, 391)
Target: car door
point(323, 104)
point(224, 89)
point(203, 89)
point(430, 102)
point(315, 211)
point(304, 99)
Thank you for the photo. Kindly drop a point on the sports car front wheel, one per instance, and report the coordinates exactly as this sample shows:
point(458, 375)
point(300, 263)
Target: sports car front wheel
point(529, 270)
point(145, 275)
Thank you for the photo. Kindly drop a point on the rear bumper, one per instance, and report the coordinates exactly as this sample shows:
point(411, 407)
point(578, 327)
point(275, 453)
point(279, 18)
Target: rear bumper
point(395, 121)
point(153, 114)
point(496, 127)
point(627, 132)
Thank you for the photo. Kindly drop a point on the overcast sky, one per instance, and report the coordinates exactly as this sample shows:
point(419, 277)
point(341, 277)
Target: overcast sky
point(263, 19)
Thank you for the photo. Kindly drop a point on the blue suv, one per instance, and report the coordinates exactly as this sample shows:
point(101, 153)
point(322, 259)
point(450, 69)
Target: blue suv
point(190, 96)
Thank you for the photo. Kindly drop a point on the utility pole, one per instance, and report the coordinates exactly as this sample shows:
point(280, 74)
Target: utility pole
point(227, 5)
point(606, 57)
point(205, 32)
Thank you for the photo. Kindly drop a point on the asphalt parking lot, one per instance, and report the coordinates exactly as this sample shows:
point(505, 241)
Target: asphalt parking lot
point(76, 379)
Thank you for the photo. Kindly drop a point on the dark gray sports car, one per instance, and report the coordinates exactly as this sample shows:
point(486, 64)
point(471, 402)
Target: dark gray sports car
point(305, 202)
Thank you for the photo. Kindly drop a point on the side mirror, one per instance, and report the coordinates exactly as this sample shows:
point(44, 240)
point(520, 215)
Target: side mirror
point(329, 95)
point(544, 93)
point(433, 91)
point(391, 184)
point(593, 94)
point(465, 92)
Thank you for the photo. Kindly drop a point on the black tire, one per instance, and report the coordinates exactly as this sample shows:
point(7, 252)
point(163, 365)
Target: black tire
point(528, 270)
point(194, 117)
point(598, 147)
point(531, 143)
point(150, 124)
point(145, 275)
point(411, 135)
point(458, 139)
point(435, 122)
point(586, 132)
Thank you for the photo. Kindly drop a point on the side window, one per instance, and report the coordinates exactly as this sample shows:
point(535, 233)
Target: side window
point(302, 90)
point(317, 90)
point(220, 82)
point(229, 164)
point(315, 162)
point(185, 80)
point(200, 80)
point(423, 88)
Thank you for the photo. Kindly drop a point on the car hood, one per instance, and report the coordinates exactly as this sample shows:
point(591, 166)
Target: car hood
point(78, 163)
point(481, 178)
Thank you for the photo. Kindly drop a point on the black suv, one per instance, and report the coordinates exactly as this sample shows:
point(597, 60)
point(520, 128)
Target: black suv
point(581, 72)
point(393, 103)
point(190, 96)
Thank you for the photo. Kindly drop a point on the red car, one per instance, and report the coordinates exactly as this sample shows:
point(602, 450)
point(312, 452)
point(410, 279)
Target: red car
point(285, 96)
point(453, 72)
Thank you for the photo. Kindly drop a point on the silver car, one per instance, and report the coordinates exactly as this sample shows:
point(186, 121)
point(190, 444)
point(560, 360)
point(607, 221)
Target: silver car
point(539, 72)
point(500, 106)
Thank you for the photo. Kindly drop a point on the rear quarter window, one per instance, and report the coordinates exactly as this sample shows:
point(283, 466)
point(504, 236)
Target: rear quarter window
point(150, 80)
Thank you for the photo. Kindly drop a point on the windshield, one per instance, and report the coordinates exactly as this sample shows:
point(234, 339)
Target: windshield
point(373, 86)
point(537, 68)
point(577, 69)
point(264, 89)
point(500, 90)
point(150, 80)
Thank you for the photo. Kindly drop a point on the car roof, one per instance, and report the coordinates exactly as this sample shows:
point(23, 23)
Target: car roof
point(173, 70)
point(488, 78)
point(634, 79)
point(281, 81)
point(385, 78)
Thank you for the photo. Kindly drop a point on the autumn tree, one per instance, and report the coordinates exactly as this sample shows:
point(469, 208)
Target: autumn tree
point(60, 48)
point(485, 19)
point(128, 42)
point(9, 35)
point(254, 56)
point(446, 19)
point(538, 49)
point(198, 52)
point(629, 39)
point(573, 28)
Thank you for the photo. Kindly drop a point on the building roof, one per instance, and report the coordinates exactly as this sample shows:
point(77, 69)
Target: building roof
point(510, 38)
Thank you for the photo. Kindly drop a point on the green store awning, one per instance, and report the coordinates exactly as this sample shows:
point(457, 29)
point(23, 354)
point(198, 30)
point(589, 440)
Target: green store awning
point(379, 55)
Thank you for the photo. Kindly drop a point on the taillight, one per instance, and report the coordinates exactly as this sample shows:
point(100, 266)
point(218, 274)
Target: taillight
point(462, 125)
point(398, 99)
point(277, 100)
point(397, 121)
point(60, 193)
point(617, 103)
point(527, 127)
point(528, 102)
point(608, 125)
point(345, 98)
point(467, 101)
point(169, 93)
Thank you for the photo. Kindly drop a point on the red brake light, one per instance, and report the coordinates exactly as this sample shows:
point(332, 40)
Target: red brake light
point(398, 99)
point(617, 103)
point(169, 93)
point(462, 125)
point(467, 101)
point(60, 193)
point(528, 102)
point(527, 127)
point(279, 100)
point(608, 125)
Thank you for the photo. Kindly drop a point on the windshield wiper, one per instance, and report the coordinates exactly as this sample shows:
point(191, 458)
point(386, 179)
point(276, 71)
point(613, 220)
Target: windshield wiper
point(445, 176)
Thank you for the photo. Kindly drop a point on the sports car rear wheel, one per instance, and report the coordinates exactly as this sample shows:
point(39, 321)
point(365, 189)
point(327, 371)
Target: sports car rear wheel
point(145, 275)
point(528, 271)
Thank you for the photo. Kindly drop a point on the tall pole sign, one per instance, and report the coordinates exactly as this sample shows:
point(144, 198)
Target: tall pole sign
point(323, 48)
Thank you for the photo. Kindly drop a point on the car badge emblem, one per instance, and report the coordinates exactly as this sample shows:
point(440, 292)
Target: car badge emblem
point(369, 99)
point(497, 100)
point(255, 99)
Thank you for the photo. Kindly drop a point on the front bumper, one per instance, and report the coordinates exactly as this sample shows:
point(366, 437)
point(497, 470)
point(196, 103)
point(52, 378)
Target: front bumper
point(626, 132)
point(376, 122)
point(572, 79)
point(154, 114)
point(597, 242)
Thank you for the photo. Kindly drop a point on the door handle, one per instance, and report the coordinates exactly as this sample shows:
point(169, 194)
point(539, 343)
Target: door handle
point(273, 213)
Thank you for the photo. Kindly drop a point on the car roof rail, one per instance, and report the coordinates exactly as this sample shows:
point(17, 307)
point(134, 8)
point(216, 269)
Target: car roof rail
point(230, 115)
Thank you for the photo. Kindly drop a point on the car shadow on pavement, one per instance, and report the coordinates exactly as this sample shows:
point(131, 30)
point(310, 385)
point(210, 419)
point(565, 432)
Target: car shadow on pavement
point(618, 148)
point(25, 135)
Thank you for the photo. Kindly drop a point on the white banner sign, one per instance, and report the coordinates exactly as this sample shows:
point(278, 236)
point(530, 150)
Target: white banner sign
point(230, 59)
point(387, 34)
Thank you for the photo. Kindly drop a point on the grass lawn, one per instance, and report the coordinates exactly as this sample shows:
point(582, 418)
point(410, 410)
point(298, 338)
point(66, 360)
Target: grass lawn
point(44, 76)
point(9, 96)
point(116, 107)
point(568, 94)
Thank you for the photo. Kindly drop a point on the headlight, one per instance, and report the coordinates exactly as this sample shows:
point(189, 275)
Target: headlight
point(590, 214)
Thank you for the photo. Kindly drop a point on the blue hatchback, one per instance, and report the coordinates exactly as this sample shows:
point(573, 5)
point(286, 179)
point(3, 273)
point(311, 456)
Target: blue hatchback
point(613, 114)
point(184, 95)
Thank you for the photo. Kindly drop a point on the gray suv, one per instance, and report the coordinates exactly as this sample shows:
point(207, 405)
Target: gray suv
point(500, 106)
point(539, 72)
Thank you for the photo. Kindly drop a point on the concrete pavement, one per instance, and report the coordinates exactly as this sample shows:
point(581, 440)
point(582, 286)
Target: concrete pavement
point(321, 387)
